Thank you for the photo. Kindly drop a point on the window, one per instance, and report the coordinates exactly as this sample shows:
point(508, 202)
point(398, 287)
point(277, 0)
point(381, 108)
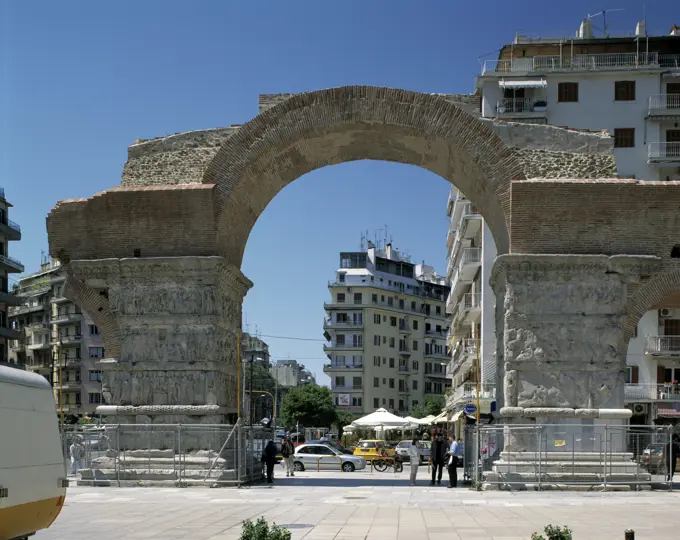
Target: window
point(624, 137)
point(358, 340)
point(414, 403)
point(415, 385)
point(384, 360)
point(391, 362)
point(79, 402)
point(376, 361)
point(376, 318)
point(632, 374)
point(391, 404)
point(341, 277)
point(415, 325)
point(567, 92)
point(356, 402)
point(401, 303)
point(438, 310)
point(340, 298)
point(428, 387)
point(374, 298)
point(77, 376)
point(376, 402)
point(382, 298)
point(339, 381)
point(96, 352)
point(95, 398)
point(415, 345)
point(391, 383)
point(357, 382)
point(376, 382)
point(340, 339)
point(393, 321)
point(390, 300)
point(384, 401)
point(341, 317)
point(78, 353)
point(376, 340)
point(357, 298)
point(392, 342)
point(416, 365)
point(624, 91)
point(94, 331)
point(413, 306)
point(384, 318)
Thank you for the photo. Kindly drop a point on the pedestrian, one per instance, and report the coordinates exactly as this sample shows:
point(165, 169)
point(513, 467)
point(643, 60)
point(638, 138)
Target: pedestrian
point(453, 462)
point(269, 458)
point(671, 455)
point(414, 458)
point(77, 452)
point(288, 453)
point(438, 452)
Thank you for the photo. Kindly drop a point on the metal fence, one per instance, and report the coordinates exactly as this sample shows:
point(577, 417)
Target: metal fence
point(160, 454)
point(559, 456)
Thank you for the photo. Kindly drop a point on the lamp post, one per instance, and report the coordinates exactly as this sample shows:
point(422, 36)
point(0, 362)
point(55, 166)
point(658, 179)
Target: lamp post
point(61, 383)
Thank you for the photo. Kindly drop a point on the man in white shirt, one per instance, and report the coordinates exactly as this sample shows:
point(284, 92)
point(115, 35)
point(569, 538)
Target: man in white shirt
point(454, 450)
point(414, 457)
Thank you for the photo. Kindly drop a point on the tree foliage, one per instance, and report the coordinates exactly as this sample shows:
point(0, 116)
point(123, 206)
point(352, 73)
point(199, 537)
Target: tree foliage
point(433, 406)
point(343, 419)
point(309, 405)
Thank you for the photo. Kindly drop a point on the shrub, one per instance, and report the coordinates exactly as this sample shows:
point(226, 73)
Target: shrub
point(261, 531)
point(554, 533)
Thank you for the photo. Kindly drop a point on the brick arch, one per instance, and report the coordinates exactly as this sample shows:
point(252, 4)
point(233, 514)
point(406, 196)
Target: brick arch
point(312, 130)
point(651, 293)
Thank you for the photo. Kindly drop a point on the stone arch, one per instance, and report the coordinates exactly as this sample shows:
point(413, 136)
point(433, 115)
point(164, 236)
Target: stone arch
point(312, 130)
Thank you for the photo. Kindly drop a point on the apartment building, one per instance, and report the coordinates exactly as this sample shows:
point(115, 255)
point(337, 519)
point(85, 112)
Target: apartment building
point(57, 339)
point(291, 373)
point(254, 350)
point(9, 231)
point(629, 86)
point(386, 331)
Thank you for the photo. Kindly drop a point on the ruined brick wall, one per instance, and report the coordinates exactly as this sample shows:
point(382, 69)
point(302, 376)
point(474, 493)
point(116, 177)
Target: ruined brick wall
point(177, 159)
point(160, 221)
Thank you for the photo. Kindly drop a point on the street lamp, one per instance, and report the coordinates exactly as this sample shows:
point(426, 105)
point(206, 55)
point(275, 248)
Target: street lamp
point(61, 383)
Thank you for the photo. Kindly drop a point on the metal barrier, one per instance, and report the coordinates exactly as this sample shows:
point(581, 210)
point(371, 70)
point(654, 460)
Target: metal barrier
point(318, 461)
point(179, 454)
point(546, 456)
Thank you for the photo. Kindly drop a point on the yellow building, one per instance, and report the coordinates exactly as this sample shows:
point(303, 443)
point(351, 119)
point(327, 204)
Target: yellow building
point(386, 332)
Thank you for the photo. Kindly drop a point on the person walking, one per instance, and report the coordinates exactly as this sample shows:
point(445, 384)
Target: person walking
point(270, 460)
point(454, 450)
point(414, 457)
point(671, 455)
point(77, 452)
point(438, 456)
point(288, 452)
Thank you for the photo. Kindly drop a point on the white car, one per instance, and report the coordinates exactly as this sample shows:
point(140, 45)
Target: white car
point(325, 457)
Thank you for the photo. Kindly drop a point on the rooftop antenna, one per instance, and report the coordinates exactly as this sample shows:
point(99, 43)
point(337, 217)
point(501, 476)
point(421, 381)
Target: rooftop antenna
point(362, 243)
point(604, 19)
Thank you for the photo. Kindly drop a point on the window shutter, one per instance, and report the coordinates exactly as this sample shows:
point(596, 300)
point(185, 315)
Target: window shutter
point(634, 374)
point(660, 374)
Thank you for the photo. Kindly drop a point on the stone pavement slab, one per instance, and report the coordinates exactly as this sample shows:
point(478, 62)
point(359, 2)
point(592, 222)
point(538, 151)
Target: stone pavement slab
point(361, 505)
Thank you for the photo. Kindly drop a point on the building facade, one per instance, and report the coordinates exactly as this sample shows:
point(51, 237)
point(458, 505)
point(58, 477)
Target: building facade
point(253, 349)
point(628, 86)
point(9, 231)
point(57, 340)
point(386, 331)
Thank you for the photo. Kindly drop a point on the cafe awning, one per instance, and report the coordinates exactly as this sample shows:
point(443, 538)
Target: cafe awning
point(668, 413)
point(526, 83)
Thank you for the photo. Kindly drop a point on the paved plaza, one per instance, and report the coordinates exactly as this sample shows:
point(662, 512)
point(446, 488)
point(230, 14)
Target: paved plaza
point(361, 505)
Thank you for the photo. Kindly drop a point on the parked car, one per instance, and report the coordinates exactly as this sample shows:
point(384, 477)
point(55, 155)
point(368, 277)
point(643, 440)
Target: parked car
point(325, 456)
point(423, 450)
point(371, 448)
point(654, 459)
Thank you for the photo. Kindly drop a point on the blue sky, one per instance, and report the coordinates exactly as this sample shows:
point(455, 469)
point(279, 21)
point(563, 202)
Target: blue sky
point(80, 81)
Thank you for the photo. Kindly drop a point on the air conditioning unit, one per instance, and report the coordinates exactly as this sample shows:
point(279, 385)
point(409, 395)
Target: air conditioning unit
point(666, 313)
point(640, 408)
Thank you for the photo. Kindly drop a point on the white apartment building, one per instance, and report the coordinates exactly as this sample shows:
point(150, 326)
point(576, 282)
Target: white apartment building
point(386, 332)
point(629, 86)
point(9, 231)
point(54, 336)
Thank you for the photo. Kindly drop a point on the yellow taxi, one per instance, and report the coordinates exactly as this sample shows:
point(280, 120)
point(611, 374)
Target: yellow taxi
point(372, 448)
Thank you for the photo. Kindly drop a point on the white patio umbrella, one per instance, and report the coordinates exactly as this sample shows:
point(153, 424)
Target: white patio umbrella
point(380, 419)
point(427, 420)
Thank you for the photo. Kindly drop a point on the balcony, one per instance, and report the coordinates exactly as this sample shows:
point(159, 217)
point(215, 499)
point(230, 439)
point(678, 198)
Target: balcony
point(404, 369)
point(404, 329)
point(404, 390)
point(59, 299)
point(11, 265)
point(38, 364)
point(469, 310)
point(532, 107)
point(463, 355)
point(329, 324)
point(652, 392)
point(350, 408)
point(9, 299)
point(437, 374)
point(32, 308)
point(10, 230)
point(664, 105)
point(580, 62)
point(70, 339)
point(40, 346)
point(38, 328)
point(348, 388)
point(335, 346)
point(68, 385)
point(663, 153)
point(339, 366)
point(404, 350)
point(663, 345)
point(468, 391)
point(9, 333)
point(65, 318)
point(36, 289)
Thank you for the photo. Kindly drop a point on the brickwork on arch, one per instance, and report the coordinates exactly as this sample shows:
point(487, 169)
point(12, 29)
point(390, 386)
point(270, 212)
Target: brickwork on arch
point(660, 285)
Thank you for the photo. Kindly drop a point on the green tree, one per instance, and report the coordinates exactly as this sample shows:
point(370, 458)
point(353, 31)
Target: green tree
point(309, 405)
point(343, 419)
point(433, 406)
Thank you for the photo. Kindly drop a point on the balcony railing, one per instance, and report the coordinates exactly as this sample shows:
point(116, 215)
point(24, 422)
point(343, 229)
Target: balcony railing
point(663, 345)
point(350, 408)
point(580, 62)
point(663, 151)
point(348, 387)
point(12, 225)
point(466, 348)
point(468, 390)
point(12, 263)
point(468, 302)
point(343, 365)
point(652, 392)
point(328, 323)
point(471, 256)
point(66, 318)
point(336, 345)
point(404, 369)
point(537, 104)
point(664, 102)
point(20, 310)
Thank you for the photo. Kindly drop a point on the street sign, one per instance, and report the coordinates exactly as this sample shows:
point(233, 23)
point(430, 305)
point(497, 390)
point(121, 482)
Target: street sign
point(470, 409)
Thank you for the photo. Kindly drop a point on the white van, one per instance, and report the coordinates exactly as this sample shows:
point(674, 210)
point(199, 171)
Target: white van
point(32, 470)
